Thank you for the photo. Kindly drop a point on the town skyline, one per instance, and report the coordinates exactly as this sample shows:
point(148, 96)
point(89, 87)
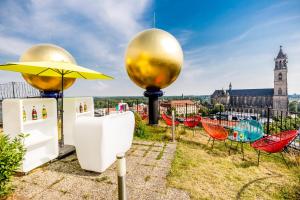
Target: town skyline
point(222, 42)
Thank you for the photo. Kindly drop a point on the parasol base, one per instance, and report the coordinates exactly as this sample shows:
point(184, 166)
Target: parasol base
point(153, 95)
point(65, 151)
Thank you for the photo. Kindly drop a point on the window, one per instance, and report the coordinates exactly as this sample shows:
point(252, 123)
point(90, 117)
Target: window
point(279, 91)
point(280, 76)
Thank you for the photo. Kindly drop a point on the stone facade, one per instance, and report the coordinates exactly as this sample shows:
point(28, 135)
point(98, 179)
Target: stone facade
point(276, 98)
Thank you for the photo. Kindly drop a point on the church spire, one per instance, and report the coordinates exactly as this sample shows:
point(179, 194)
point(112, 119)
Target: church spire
point(281, 55)
point(230, 86)
point(280, 60)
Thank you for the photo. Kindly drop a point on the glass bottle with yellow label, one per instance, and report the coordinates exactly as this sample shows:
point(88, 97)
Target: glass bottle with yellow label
point(85, 107)
point(44, 112)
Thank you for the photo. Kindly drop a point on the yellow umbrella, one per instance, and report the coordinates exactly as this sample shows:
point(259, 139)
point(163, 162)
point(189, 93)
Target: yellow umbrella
point(57, 69)
point(52, 68)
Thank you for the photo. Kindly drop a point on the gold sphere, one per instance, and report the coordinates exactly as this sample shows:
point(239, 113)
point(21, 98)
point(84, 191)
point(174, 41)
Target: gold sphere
point(153, 59)
point(47, 52)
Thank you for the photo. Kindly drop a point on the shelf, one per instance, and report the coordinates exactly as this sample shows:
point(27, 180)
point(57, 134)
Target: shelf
point(36, 138)
point(29, 122)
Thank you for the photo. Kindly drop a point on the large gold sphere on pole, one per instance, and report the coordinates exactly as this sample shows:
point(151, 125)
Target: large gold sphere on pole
point(47, 52)
point(153, 59)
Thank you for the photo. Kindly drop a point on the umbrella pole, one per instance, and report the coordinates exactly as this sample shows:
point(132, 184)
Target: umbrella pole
point(62, 112)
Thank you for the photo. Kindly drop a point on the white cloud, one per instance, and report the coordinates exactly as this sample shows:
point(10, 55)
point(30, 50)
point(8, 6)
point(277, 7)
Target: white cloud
point(95, 32)
point(12, 45)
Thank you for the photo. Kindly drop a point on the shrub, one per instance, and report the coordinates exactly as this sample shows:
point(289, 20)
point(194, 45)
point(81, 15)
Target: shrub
point(140, 129)
point(11, 156)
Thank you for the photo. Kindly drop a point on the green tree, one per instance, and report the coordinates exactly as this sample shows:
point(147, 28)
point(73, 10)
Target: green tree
point(294, 106)
point(218, 108)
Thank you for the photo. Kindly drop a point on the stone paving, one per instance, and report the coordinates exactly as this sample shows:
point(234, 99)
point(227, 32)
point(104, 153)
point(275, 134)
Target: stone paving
point(148, 164)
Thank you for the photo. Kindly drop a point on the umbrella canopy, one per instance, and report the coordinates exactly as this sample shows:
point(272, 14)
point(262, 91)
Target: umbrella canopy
point(56, 69)
point(51, 68)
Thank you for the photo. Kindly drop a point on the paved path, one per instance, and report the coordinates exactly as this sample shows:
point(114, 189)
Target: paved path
point(148, 164)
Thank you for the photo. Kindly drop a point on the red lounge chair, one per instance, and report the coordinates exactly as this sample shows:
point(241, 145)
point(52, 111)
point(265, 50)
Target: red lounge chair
point(216, 132)
point(275, 143)
point(191, 122)
point(198, 118)
point(168, 120)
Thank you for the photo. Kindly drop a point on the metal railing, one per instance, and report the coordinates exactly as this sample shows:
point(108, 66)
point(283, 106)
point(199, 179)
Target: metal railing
point(16, 90)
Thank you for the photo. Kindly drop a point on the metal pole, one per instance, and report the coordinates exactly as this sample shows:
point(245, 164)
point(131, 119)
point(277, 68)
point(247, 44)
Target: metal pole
point(173, 125)
point(121, 167)
point(62, 111)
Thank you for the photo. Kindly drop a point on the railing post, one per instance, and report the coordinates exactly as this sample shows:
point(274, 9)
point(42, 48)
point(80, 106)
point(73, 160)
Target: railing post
point(121, 167)
point(173, 125)
point(268, 121)
point(13, 89)
point(281, 124)
point(220, 109)
point(185, 110)
point(108, 107)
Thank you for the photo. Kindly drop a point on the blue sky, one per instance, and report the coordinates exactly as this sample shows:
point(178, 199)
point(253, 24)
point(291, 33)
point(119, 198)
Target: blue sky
point(223, 41)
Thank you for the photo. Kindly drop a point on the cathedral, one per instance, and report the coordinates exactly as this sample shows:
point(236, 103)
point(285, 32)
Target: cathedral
point(276, 98)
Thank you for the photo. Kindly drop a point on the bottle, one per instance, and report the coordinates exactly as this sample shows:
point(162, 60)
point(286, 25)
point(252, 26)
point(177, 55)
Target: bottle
point(34, 113)
point(80, 108)
point(44, 112)
point(85, 107)
point(24, 115)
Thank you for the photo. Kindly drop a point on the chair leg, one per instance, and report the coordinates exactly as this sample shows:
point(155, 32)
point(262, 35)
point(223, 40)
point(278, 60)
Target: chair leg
point(284, 160)
point(213, 142)
point(242, 149)
point(208, 140)
point(230, 146)
point(258, 157)
point(225, 144)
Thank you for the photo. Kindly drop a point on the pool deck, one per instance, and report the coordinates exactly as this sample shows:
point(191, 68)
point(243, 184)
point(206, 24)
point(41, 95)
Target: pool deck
point(148, 164)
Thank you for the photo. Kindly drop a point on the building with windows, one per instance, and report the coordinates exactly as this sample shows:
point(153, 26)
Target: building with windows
point(276, 98)
point(181, 107)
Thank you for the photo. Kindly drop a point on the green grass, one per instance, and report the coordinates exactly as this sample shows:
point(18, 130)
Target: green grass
point(155, 133)
point(207, 173)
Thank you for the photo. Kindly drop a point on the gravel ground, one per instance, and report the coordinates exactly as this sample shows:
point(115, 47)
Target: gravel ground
point(148, 164)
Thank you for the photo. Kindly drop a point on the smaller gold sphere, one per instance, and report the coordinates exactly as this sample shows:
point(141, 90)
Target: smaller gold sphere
point(153, 59)
point(47, 52)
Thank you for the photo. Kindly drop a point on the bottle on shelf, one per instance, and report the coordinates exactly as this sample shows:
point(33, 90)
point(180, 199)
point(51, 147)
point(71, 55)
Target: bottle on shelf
point(34, 113)
point(85, 107)
point(80, 108)
point(44, 112)
point(24, 115)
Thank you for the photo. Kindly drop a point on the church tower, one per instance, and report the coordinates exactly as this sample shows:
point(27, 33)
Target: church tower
point(280, 98)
